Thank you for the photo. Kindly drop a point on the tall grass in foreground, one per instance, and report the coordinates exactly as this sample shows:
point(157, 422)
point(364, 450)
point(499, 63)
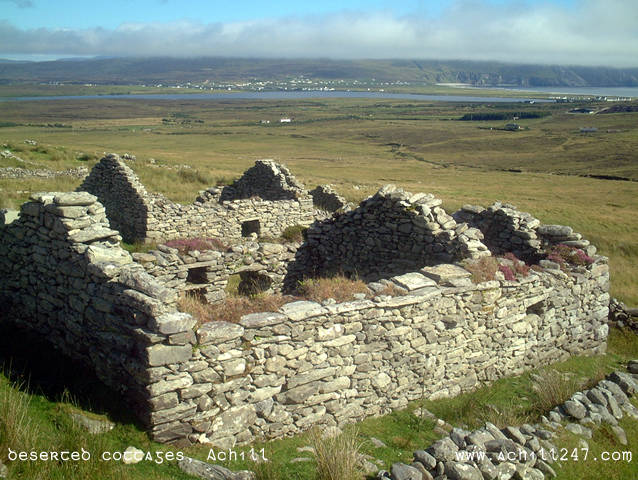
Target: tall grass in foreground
point(17, 429)
point(337, 457)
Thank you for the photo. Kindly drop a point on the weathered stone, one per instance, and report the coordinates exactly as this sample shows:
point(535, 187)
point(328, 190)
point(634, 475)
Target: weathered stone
point(218, 332)
point(234, 420)
point(577, 429)
point(428, 461)
point(555, 230)
point(97, 253)
point(132, 456)
point(74, 198)
point(302, 309)
point(171, 384)
point(206, 471)
point(92, 425)
point(146, 284)
point(575, 409)
point(259, 320)
point(413, 281)
point(171, 323)
point(400, 471)
point(92, 234)
point(462, 471)
point(445, 272)
point(444, 449)
point(625, 381)
point(158, 355)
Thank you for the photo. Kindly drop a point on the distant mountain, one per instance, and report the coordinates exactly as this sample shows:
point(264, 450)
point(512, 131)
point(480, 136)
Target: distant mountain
point(198, 70)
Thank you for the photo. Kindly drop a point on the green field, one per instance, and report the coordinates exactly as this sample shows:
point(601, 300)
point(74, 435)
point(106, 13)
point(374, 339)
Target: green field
point(357, 145)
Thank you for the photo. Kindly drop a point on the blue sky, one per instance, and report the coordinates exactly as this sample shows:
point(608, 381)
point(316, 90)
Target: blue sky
point(587, 32)
point(112, 13)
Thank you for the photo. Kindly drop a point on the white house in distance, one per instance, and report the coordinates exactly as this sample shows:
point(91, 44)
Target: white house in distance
point(285, 120)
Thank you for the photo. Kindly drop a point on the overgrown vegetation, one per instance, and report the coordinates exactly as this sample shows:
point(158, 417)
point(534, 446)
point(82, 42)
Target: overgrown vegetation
point(17, 428)
point(565, 255)
point(294, 233)
point(232, 308)
point(483, 270)
point(338, 287)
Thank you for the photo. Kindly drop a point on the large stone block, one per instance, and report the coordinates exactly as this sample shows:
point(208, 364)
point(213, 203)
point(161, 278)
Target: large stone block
point(158, 355)
point(74, 198)
point(218, 332)
point(171, 323)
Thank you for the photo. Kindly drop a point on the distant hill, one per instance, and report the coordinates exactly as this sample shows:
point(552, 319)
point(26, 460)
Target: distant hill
point(197, 70)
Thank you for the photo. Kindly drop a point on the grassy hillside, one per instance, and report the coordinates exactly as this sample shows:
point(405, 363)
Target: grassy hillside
point(358, 145)
point(173, 70)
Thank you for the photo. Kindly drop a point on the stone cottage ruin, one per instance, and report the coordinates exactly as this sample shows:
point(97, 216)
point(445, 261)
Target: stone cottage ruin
point(265, 200)
point(64, 275)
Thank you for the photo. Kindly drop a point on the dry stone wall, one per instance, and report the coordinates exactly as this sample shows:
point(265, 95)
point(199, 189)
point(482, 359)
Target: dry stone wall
point(262, 268)
point(391, 232)
point(265, 201)
point(506, 229)
point(63, 274)
point(267, 180)
point(326, 198)
point(276, 374)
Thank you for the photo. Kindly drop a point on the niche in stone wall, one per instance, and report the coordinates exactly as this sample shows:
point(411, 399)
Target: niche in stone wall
point(196, 281)
point(538, 308)
point(249, 227)
point(252, 283)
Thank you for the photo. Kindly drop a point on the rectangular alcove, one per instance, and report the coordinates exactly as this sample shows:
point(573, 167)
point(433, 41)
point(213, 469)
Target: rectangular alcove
point(250, 226)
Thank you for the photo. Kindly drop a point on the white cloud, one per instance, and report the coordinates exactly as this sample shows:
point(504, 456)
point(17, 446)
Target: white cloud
point(589, 33)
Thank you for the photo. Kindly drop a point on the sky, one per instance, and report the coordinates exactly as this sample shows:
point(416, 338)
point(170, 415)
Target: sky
point(567, 32)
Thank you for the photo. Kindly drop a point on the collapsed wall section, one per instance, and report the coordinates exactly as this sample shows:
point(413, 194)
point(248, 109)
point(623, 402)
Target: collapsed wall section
point(506, 229)
point(325, 197)
point(262, 268)
point(390, 233)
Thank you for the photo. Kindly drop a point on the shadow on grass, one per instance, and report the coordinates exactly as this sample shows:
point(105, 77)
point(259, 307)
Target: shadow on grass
point(36, 367)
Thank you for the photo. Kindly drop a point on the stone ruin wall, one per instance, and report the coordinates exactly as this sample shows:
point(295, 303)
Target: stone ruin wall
point(267, 194)
point(279, 373)
point(505, 229)
point(326, 198)
point(389, 233)
point(262, 267)
point(64, 275)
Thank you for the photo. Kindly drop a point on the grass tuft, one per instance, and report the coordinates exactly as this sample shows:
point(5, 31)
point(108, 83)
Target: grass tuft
point(294, 233)
point(337, 457)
